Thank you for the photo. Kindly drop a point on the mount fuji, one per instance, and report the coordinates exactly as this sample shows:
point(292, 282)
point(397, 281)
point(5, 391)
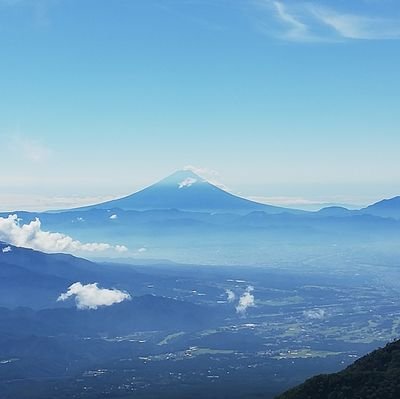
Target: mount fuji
point(186, 191)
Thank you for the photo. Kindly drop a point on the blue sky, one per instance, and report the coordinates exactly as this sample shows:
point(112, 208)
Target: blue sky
point(291, 102)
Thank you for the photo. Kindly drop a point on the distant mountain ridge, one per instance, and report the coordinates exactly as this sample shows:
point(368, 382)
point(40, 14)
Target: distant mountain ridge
point(385, 208)
point(186, 191)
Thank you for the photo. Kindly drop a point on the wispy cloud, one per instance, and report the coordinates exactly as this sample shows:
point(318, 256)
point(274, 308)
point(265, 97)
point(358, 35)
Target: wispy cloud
point(316, 22)
point(285, 201)
point(90, 296)
point(295, 29)
point(210, 175)
point(30, 149)
point(206, 173)
point(40, 9)
point(32, 236)
point(351, 26)
point(286, 21)
point(10, 202)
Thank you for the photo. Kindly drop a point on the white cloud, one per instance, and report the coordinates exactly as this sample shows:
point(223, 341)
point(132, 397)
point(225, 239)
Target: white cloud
point(114, 216)
point(6, 249)
point(32, 236)
point(230, 295)
point(245, 301)
point(120, 248)
point(189, 181)
point(90, 296)
point(315, 314)
point(139, 251)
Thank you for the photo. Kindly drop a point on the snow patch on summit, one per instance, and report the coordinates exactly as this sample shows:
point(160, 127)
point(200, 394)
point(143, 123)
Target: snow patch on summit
point(189, 181)
point(6, 249)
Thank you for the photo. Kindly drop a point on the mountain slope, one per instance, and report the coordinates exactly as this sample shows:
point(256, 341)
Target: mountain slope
point(386, 208)
point(374, 376)
point(36, 279)
point(184, 190)
point(142, 313)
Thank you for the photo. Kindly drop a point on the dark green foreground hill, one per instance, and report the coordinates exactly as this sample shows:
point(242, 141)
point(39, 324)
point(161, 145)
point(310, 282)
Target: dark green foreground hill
point(374, 376)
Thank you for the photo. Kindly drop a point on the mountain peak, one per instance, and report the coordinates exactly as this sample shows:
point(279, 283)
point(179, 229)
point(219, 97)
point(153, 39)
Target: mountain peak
point(182, 179)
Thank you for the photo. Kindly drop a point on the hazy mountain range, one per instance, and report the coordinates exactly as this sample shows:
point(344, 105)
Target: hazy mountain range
point(185, 218)
point(186, 191)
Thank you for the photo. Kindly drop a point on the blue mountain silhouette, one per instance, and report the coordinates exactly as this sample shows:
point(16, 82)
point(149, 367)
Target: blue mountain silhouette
point(184, 190)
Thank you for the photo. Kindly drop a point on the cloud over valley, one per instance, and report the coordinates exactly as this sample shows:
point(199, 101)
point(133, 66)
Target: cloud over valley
point(90, 296)
point(31, 235)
